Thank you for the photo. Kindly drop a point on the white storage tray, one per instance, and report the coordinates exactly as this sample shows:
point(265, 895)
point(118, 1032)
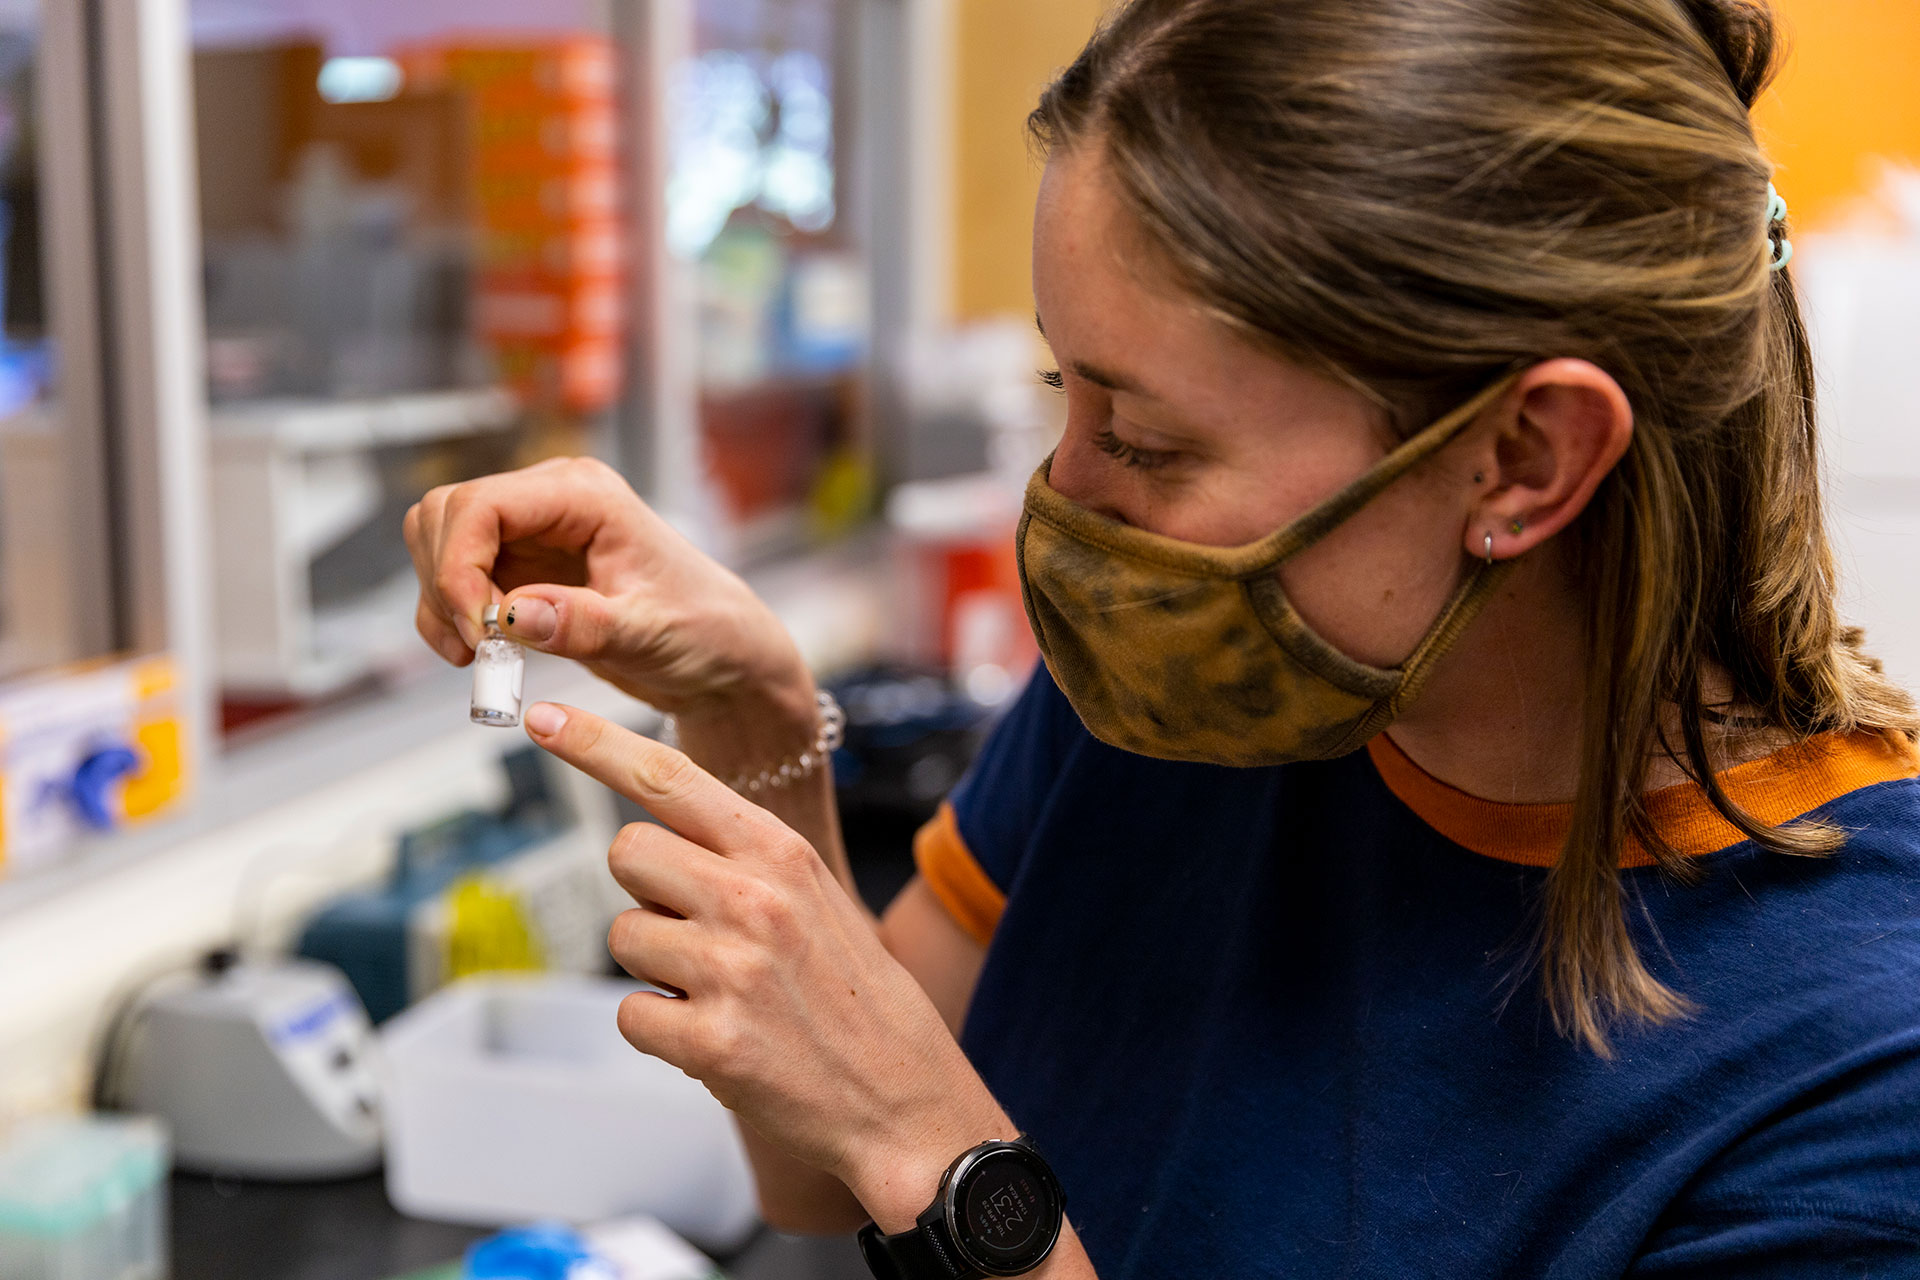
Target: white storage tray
point(514, 1099)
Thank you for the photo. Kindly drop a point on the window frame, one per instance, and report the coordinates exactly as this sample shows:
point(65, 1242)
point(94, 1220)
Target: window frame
point(128, 264)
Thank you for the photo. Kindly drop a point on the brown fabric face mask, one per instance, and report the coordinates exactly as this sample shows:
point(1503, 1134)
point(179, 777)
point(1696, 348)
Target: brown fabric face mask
point(1187, 652)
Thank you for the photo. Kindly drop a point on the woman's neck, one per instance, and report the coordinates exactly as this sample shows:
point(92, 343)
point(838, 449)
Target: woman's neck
point(1501, 715)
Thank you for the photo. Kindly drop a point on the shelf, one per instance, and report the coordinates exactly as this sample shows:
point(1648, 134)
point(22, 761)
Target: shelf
point(316, 425)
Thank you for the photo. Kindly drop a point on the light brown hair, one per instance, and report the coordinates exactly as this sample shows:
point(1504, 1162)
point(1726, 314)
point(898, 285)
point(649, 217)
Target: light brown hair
point(1417, 196)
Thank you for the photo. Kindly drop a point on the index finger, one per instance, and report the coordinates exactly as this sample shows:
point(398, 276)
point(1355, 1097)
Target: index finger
point(656, 777)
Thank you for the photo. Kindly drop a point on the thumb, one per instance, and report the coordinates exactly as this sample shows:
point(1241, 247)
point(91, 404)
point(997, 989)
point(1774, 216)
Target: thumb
point(572, 622)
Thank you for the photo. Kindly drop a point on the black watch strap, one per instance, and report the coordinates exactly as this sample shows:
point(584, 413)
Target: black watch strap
point(923, 1253)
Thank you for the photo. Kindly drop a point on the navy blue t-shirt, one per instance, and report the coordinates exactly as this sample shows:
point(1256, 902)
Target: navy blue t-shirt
point(1258, 1019)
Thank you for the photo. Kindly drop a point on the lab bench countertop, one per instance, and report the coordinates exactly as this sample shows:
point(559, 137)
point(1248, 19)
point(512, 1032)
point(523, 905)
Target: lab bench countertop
point(229, 1230)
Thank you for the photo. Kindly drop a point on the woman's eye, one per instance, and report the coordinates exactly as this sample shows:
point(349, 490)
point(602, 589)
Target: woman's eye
point(1053, 378)
point(1131, 455)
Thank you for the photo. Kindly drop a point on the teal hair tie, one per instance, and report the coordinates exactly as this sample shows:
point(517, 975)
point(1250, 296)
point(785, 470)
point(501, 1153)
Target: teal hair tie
point(1777, 217)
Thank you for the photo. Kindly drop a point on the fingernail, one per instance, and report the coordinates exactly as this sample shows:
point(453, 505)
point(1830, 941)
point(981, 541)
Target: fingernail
point(544, 719)
point(532, 619)
point(469, 630)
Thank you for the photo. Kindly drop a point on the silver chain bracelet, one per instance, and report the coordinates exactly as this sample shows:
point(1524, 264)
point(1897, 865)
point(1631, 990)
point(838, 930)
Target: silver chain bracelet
point(826, 740)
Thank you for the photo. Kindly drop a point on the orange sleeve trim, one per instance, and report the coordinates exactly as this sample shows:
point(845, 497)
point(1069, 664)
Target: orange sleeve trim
point(956, 878)
point(1774, 789)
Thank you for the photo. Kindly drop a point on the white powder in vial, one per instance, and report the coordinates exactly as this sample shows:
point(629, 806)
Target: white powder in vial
point(499, 671)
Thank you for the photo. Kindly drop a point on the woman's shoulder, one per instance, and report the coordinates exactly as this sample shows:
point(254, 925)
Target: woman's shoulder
point(1878, 856)
point(1883, 813)
point(1844, 925)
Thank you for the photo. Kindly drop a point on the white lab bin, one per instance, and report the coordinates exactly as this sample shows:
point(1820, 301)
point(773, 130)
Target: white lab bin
point(514, 1099)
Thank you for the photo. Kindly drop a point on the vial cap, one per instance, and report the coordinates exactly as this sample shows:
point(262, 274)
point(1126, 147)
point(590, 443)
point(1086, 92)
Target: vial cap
point(490, 616)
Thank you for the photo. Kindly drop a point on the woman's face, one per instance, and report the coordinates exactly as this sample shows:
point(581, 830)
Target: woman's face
point(1177, 425)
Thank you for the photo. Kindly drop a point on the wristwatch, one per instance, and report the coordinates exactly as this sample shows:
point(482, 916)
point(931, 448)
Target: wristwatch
point(997, 1213)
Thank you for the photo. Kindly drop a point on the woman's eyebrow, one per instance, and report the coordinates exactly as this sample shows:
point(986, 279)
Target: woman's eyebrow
point(1100, 377)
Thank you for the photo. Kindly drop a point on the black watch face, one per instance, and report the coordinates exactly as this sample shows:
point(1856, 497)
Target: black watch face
point(1008, 1212)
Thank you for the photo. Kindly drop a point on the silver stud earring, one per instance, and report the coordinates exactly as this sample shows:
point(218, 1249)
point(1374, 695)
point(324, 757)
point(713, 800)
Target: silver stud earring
point(1489, 550)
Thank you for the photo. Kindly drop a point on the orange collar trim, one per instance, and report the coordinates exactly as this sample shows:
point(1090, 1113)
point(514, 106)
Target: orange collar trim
point(1774, 789)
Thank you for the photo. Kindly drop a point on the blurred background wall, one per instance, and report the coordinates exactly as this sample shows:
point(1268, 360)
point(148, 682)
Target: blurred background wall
point(1844, 101)
point(1004, 53)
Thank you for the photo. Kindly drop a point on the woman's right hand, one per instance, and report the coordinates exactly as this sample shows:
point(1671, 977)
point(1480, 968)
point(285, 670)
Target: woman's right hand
point(582, 568)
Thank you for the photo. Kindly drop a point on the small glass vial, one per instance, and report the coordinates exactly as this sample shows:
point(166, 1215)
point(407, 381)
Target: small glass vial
point(499, 669)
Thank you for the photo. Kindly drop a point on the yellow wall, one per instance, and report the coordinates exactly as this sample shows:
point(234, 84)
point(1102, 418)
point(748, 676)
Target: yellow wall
point(1006, 52)
point(1848, 94)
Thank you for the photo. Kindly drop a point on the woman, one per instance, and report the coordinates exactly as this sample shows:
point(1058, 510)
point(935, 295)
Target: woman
point(1452, 833)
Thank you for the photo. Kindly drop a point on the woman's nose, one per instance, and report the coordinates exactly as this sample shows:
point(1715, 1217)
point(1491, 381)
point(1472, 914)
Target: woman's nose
point(1082, 474)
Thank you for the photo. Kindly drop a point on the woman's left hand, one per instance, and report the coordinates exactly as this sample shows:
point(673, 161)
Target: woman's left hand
point(795, 1016)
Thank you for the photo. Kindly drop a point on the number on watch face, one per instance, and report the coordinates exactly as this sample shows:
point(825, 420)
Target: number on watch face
point(1003, 1209)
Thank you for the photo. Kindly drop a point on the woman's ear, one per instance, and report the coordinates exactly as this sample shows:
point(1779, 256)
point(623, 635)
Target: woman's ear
point(1554, 438)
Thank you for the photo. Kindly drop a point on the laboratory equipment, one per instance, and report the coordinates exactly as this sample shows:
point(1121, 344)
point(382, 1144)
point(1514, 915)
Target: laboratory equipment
point(515, 1098)
point(499, 674)
point(523, 887)
point(84, 1198)
point(260, 1071)
point(312, 587)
